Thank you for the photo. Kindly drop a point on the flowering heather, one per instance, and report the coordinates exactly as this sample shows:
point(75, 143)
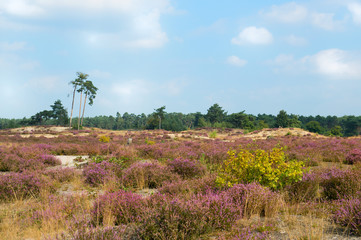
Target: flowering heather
point(98, 173)
point(61, 174)
point(348, 214)
point(254, 199)
point(206, 184)
point(147, 175)
point(22, 185)
point(327, 184)
point(186, 168)
point(353, 157)
point(118, 208)
point(338, 183)
point(172, 218)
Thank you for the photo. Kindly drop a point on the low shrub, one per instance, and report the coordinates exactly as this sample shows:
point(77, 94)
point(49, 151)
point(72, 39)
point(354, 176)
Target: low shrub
point(353, 157)
point(338, 183)
point(268, 168)
point(255, 199)
point(119, 208)
point(61, 174)
point(147, 175)
point(348, 214)
point(172, 218)
point(98, 173)
point(23, 185)
point(186, 168)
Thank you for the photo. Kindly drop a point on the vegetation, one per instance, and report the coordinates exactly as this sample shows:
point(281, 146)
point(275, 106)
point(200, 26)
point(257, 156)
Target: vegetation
point(215, 117)
point(184, 187)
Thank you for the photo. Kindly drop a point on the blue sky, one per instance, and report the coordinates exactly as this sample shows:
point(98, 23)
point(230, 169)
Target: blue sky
point(258, 56)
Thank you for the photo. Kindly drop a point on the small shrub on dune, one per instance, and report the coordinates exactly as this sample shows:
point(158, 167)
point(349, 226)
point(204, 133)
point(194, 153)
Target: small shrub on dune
point(189, 187)
point(186, 168)
point(172, 218)
point(61, 174)
point(147, 175)
point(353, 157)
point(255, 199)
point(307, 189)
point(339, 183)
point(348, 214)
point(98, 173)
point(118, 208)
point(22, 185)
point(270, 169)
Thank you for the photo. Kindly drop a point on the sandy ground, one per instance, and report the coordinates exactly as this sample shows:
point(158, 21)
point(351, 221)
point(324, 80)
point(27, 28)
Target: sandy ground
point(68, 161)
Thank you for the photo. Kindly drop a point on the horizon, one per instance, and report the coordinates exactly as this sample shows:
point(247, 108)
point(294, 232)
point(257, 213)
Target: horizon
point(259, 57)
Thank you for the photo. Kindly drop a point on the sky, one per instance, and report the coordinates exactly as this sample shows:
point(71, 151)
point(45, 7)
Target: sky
point(303, 57)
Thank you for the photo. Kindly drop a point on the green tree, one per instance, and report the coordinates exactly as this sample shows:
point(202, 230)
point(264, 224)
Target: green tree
point(59, 113)
point(336, 131)
point(77, 82)
point(314, 127)
point(282, 119)
point(215, 114)
point(293, 121)
point(159, 112)
point(91, 91)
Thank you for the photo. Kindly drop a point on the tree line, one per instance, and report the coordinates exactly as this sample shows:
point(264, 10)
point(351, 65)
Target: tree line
point(215, 117)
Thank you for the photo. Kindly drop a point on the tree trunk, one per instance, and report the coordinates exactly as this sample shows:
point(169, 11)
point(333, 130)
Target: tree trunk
point(72, 107)
point(82, 117)
point(81, 96)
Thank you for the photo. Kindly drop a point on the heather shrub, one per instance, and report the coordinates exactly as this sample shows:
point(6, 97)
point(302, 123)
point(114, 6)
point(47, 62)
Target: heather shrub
point(337, 183)
point(254, 199)
point(22, 185)
point(353, 157)
point(348, 214)
point(268, 168)
point(189, 187)
point(305, 190)
point(147, 175)
point(186, 219)
point(61, 174)
point(118, 208)
point(186, 168)
point(99, 173)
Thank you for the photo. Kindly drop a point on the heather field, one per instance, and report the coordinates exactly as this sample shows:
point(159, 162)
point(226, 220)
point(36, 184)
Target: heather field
point(198, 184)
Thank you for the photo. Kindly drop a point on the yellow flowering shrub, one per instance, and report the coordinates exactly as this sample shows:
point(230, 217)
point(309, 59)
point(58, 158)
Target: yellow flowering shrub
point(268, 168)
point(104, 139)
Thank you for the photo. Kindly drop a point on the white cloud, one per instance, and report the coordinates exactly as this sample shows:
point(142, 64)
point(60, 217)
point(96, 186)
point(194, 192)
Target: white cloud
point(287, 13)
point(324, 21)
point(21, 8)
point(135, 23)
point(15, 46)
point(132, 92)
point(331, 63)
point(337, 63)
point(355, 9)
point(295, 40)
point(295, 13)
point(236, 61)
point(47, 83)
point(253, 35)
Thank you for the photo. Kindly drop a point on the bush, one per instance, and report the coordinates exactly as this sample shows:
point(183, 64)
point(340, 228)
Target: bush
point(118, 208)
point(353, 157)
point(186, 168)
point(338, 183)
point(186, 219)
point(268, 168)
point(99, 173)
point(254, 199)
point(348, 214)
point(22, 185)
point(147, 175)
